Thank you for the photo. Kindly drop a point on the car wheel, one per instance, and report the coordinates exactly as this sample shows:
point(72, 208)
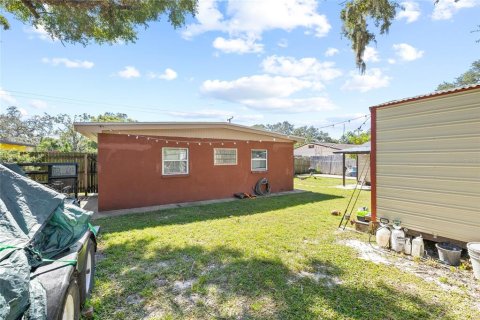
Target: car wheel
point(71, 302)
point(87, 275)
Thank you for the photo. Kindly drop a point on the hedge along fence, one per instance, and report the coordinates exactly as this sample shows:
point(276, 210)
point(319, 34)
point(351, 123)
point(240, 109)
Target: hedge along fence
point(87, 167)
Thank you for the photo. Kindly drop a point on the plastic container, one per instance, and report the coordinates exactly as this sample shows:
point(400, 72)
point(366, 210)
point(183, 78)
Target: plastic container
point(383, 236)
point(408, 246)
point(361, 215)
point(418, 247)
point(449, 253)
point(474, 253)
point(397, 239)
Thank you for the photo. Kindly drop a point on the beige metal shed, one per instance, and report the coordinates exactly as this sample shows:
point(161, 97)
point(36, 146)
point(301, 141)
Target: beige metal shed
point(425, 163)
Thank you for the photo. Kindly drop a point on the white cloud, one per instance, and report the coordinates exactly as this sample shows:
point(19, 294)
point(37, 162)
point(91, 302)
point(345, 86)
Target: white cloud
point(254, 87)
point(291, 105)
point(410, 13)
point(38, 104)
point(23, 112)
point(406, 52)
point(40, 33)
point(331, 52)
point(237, 45)
point(372, 79)
point(215, 114)
point(283, 43)
point(244, 20)
point(69, 63)
point(445, 9)
point(370, 55)
point(307, 68)
point(265, 92)
point(129, 72)
point(168, 74)
point(7, 97)
point(392, 61)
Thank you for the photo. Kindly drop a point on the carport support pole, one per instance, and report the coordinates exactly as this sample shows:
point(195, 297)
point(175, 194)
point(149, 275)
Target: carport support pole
point(343, 168)
point(357, 169)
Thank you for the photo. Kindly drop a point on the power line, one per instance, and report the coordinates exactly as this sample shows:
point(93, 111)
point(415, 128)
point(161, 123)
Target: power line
point(366, 116)
point(149, 109)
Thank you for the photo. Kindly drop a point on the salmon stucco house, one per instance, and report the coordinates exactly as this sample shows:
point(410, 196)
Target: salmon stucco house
point(145, 164)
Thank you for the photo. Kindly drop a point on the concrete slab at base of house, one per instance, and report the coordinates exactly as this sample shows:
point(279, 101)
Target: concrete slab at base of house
point(320, 175)
point(91, 204)
point(352, 186)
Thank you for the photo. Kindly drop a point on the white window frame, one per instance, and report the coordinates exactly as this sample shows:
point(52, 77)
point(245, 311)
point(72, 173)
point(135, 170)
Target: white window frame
point(175, 173)
point(224, 164)
point(266, 160)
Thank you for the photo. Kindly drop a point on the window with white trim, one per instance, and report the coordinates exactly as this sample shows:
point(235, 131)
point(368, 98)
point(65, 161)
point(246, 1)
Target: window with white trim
point(259, 160)
point(174, 161)
point(224, 156)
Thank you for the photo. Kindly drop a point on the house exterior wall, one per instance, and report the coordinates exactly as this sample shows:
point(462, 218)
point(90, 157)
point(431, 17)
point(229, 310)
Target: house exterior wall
point(130, 171)
point(317, 150)
point(15, 147)
point(427, 164)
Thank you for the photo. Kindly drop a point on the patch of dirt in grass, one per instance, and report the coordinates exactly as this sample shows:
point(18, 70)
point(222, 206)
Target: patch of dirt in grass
point(320, 275)
point(166, 263)
point(161, 282)
point(211, 267)
point(447, 278)
point(181, 286)
point(187, 301)
point(366, 251)
point(134, 299)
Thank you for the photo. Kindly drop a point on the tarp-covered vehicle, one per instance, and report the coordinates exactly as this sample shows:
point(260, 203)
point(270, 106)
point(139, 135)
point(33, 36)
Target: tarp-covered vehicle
point(47, 251)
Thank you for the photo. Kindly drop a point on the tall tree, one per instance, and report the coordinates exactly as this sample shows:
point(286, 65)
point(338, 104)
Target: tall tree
point(70, 140)
point(32, 129)
point(355, 16)
point(53, 132)
point(310, 133)
point(100, 21)
point(471, 76)
point(357, 137)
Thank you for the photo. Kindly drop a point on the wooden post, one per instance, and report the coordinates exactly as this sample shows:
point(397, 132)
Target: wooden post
point(85, 173)
point(343, 168)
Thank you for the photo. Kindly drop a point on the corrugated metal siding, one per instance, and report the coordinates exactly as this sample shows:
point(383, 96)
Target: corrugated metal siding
point(428, 165)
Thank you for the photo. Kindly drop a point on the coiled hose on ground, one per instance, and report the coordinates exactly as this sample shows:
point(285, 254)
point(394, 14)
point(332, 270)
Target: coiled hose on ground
point(259, 189)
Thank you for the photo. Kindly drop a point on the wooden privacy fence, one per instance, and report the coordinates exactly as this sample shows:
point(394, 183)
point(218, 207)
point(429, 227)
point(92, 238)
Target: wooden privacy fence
point(87, 168)
point(330, 164)
point(301, 164)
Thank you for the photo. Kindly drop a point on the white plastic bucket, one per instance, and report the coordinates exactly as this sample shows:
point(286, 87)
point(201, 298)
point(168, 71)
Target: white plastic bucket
point(474, 253)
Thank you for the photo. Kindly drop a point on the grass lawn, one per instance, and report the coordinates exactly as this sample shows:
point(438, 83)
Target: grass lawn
point(268, 258)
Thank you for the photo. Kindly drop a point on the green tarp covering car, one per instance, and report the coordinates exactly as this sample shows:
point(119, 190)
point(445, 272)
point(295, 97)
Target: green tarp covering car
point(43, 241)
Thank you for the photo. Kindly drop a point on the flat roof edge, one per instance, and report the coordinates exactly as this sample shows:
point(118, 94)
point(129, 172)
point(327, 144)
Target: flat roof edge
point(226, 125)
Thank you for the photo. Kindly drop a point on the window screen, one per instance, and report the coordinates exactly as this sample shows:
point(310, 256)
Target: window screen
point(174, 161)
point(224, 156)
point(259, 160)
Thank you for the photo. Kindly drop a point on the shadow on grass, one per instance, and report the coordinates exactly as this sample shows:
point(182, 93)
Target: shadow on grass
point(192, 282)
point(210, 212)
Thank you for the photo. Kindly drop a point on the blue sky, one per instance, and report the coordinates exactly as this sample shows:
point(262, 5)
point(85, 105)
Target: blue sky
point(261, 61)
